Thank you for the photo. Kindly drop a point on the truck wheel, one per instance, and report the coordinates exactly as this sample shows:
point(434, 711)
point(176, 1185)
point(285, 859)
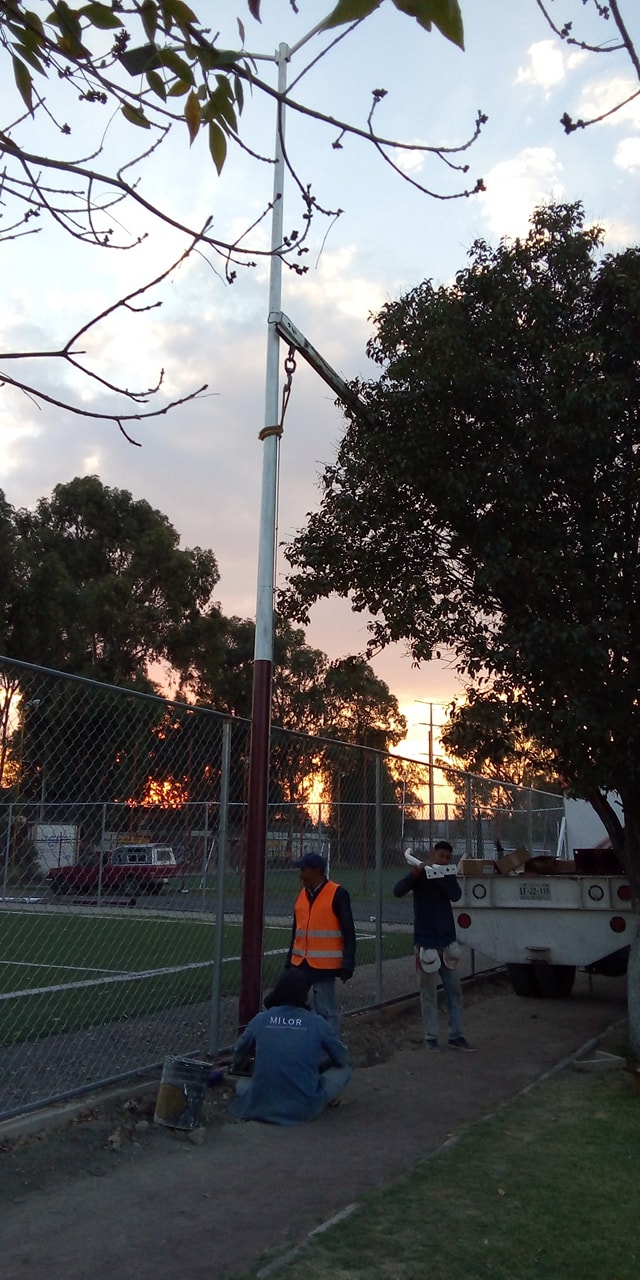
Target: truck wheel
point(131, 887)
point(523, 979)
point(555, 981)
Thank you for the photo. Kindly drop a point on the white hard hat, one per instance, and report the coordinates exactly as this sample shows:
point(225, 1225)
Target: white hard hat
point(429, 960)
point(451, 955)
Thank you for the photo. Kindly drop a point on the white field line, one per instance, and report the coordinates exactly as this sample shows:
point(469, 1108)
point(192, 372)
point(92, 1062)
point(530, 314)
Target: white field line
point(73, 968)
point(139, 976)
point(123, 976)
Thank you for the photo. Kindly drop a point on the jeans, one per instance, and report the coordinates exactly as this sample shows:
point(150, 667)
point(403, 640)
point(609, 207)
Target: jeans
point(325, 1003)
point(429, 1001)
point(334, 1080)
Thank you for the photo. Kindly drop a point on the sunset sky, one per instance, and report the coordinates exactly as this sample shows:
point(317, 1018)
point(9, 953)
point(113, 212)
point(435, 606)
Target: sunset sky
point(202, 465)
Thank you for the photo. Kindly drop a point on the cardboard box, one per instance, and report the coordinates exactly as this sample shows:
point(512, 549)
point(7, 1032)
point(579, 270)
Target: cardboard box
point(543, 864)
point(476, 866)
point(512, 861)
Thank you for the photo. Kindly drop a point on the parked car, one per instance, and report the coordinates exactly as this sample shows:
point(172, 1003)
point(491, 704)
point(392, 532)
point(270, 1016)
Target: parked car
point(130, 869)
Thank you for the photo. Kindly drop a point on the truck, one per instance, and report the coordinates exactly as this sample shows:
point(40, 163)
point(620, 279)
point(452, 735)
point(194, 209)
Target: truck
point(129, 869)
point(54, 844)
point(544, 917)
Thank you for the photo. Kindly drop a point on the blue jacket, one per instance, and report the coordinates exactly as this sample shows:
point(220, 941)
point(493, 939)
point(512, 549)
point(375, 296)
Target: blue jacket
point(290, 1044)
point(433, 923)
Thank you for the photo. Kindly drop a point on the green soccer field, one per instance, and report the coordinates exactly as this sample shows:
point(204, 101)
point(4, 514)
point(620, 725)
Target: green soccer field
point(60, 972)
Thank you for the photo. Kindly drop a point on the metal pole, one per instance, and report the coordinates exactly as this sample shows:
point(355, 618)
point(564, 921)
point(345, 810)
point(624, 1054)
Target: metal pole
point(223, 830)
point(431, 787)
point(468, 816)
point(7, 850)
point(378, 897)
point(253, 915)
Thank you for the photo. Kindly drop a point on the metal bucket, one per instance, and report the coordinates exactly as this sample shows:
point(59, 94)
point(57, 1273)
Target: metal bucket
point(181, 1093)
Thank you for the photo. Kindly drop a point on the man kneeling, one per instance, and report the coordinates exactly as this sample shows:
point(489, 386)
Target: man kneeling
point(300, 1064)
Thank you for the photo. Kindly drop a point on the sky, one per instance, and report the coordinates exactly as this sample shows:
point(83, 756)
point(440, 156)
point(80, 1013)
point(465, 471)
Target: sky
point(202, 464)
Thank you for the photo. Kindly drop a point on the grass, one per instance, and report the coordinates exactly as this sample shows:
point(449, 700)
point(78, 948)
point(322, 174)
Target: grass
point(545, 1190)
point(62, 971)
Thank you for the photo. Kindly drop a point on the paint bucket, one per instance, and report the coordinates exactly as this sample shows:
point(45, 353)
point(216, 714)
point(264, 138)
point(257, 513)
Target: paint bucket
point(181, 1093)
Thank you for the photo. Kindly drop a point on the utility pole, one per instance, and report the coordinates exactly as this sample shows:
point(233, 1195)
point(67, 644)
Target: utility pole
point(258, 798)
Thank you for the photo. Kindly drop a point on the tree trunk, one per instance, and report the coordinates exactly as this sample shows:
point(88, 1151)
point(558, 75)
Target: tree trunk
point(633, 995)
point(630, 798)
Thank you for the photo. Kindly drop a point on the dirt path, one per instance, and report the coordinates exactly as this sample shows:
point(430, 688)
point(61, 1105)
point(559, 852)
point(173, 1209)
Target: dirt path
point(117, 1196)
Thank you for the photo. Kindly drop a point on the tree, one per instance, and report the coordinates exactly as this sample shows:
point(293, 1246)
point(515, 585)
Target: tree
point(141, 70)
point(341, 701)
point(489, 736)
point(490, 497)
point(99, 585)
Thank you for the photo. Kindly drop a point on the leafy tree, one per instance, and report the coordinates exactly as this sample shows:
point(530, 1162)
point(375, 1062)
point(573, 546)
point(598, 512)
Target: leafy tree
point(100, 586)
point(153, 67)
point(343, 701)
point(491, 499)
point(486, 735)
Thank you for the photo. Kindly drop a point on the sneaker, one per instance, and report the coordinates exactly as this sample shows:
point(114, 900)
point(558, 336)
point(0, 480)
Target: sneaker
point(459, 1042)
point(431, 1044)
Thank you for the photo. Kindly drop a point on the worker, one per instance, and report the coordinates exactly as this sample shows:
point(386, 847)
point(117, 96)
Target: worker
point(323, 937)
point(437, 950)
point(300, 1067)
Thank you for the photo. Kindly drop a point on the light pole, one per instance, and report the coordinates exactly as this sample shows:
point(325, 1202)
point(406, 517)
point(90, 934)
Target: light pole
point(279, 326)
point(258, 797)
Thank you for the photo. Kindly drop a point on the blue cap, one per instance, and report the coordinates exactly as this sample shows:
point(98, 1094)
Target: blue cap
point(312, 860)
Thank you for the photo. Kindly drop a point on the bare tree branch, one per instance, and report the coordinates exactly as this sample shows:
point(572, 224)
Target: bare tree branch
point(605, 12)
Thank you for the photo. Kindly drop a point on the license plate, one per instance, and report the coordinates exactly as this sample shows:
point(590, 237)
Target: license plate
point(535, 891)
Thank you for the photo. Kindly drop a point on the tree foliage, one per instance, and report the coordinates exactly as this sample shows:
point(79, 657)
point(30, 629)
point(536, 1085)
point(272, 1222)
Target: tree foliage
point(490, 495)
point(97, 584)
point(343, 699)
point(488, 736)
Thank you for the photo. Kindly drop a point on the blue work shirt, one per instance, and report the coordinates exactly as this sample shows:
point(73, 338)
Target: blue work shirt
point(290, 1045)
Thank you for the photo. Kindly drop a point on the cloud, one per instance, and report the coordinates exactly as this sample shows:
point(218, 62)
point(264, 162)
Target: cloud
point(547, 65)
point(601, 96)
point(409, 161)
point(617, 234)
point(516, 186)
point(627, 154)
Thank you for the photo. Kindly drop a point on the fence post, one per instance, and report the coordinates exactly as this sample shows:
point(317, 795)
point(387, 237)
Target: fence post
point(103, 836)
point(205, 856)
point(223, 827)
point(7, 851)
point(469, 817)
point(378, 877)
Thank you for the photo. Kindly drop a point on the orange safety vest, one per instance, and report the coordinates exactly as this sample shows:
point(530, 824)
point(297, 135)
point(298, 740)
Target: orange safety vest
point(318, 937)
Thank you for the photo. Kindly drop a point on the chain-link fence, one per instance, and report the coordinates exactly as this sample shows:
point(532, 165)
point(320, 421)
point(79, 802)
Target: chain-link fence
point(122, 865)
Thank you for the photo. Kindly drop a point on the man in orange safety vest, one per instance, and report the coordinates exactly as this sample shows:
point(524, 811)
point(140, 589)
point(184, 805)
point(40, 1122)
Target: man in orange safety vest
point(323, 938)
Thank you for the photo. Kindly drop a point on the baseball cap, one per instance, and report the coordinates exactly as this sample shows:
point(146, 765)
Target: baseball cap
point(312, 860)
